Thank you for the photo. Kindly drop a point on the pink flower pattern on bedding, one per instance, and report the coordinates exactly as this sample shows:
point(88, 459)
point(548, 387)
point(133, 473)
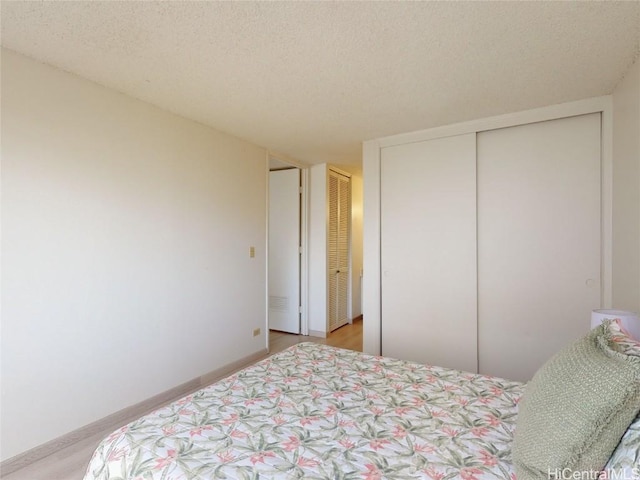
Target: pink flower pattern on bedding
point(317, 412)
point(622, 341)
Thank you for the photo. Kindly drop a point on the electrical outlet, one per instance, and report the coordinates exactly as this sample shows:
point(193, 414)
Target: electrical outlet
point(252, 252)
point(256, 332)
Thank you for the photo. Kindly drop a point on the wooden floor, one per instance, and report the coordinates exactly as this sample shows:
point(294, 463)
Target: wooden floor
point(70, 463)
point(348, 336)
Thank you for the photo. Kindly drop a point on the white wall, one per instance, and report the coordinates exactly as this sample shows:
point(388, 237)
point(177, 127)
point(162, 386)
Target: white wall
point(356, 245)
point(125, 251)
point(626, 191)
point(318, 249)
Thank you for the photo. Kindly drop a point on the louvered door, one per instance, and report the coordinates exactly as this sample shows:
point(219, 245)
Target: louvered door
point(339, 242)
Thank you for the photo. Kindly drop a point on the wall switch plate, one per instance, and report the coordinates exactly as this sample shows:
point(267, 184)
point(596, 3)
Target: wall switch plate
point(256, 332)
point(252, 252)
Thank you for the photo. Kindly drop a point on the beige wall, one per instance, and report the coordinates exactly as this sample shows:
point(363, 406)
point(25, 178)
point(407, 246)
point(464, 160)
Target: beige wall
point(356, 245)
point(318, 250)
point(125, 251)
point(626, 191)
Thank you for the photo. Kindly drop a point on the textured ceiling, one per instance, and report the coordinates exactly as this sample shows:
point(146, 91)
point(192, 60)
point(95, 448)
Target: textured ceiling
point(312, 80)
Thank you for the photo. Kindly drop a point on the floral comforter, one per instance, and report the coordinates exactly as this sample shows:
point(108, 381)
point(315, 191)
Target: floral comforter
point(317, 412)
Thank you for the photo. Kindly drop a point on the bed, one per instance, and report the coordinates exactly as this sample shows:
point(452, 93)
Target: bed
point(318, 412)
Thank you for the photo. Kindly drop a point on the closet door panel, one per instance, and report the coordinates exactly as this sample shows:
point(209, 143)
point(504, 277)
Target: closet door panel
point(428, 245)
point(539, 247)
point(339, 246)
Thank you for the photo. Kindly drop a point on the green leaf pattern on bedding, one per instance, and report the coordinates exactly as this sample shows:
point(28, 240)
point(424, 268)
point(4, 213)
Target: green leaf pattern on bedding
point(624, 463)
point(316, 412)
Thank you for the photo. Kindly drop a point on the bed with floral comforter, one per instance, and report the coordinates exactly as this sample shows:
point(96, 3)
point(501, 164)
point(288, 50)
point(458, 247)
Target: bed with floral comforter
point(317, 412)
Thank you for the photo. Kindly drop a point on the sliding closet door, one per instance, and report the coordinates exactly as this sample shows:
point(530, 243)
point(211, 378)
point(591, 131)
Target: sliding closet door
point(428, 252)
point(538, 241)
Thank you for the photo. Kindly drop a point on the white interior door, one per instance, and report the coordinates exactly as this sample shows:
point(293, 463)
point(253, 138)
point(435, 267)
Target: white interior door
point(284, 250)
point(539, 247)
point(428, 243)
point(339, 247)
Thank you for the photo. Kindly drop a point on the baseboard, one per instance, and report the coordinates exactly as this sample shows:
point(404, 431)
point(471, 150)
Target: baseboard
point(220, 373)
point(317, 333)
point(126, 415)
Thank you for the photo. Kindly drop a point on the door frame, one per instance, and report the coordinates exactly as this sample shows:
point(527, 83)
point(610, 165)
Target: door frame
point(371, 156)
point(304, 256)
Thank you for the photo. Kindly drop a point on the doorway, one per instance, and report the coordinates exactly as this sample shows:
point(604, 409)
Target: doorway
point(311, 215)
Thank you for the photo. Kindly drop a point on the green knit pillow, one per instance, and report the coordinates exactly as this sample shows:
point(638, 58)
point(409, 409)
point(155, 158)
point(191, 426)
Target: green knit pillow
point(576, 408)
